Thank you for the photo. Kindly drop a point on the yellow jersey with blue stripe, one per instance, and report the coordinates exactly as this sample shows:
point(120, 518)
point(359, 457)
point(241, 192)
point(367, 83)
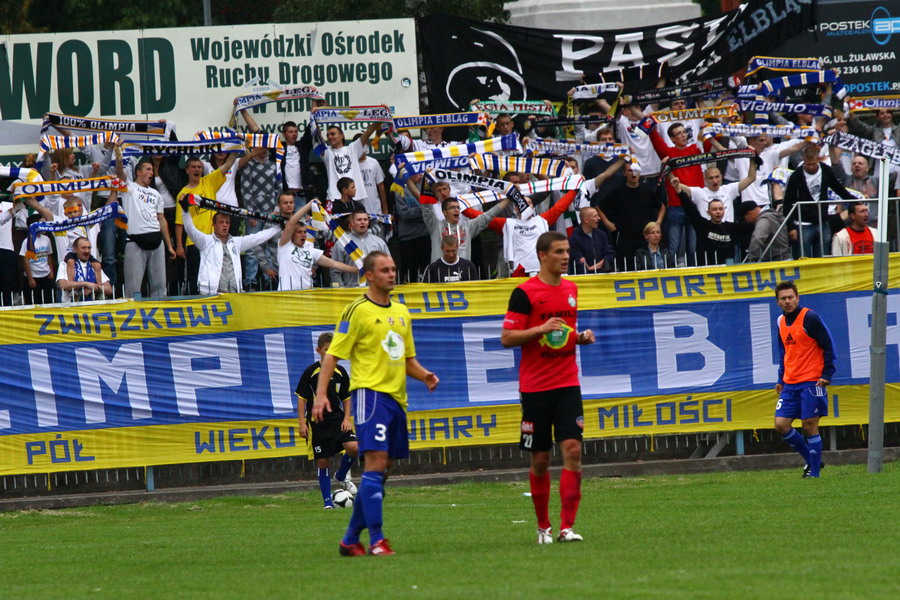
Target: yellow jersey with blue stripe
point(377, 339)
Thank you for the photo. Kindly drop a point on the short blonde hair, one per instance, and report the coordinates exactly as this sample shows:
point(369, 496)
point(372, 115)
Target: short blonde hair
point(650, 227)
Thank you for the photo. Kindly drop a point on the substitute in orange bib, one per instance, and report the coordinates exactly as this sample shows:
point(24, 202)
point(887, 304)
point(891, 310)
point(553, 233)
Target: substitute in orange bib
point(805, 368)
point(542, 320)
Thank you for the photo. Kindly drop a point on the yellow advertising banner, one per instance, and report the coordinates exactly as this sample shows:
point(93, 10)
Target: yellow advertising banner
point(131, 383)
point(478, 426)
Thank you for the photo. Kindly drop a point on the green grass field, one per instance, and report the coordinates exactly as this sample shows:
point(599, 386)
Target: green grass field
point(754, 535)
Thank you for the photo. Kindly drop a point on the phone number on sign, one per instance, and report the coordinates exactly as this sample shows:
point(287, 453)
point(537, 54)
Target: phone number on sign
point(856, 69)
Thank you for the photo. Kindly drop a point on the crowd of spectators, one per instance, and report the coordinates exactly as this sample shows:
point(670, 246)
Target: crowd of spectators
point(624, 218)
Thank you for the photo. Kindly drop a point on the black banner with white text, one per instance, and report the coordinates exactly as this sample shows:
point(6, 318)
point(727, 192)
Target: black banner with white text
point(467, 59)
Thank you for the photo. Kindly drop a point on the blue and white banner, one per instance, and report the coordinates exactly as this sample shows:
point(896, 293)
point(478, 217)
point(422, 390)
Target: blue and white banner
point(143, 383)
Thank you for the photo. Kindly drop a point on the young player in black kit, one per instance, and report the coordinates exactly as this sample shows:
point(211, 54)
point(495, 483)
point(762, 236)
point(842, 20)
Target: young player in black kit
point(335, 432)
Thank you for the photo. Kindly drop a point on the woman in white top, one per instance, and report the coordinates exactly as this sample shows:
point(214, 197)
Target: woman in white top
point(62, 166)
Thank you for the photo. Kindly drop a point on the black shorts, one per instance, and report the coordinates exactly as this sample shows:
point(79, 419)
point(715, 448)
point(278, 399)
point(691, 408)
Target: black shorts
point(328, 439)
point(552, 413)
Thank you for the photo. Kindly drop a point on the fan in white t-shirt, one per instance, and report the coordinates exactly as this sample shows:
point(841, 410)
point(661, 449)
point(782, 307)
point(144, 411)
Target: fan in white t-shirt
point(148, 231)
point(771, 155)
point(343, 160)
point(83, 283)
point(714, 190)
point(297, 257)
point(373, 181)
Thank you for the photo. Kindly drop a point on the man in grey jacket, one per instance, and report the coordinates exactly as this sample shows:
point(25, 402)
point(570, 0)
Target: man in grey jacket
point(464, 230)
point(884, 131)
point(765, 223)
point(364, 239)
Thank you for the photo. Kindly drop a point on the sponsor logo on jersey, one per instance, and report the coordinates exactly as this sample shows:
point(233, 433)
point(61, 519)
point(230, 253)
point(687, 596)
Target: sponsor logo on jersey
point(527, 427)
point(393, 345)
point(557, 339)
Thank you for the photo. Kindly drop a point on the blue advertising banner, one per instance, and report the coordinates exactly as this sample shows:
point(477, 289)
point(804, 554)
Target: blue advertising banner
point(142, 383)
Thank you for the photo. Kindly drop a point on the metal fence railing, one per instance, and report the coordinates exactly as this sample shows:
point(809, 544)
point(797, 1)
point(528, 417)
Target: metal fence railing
point(822, 231)
point(817, 234)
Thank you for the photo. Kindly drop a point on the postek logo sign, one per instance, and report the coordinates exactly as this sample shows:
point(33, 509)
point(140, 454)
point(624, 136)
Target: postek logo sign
point(883, 25)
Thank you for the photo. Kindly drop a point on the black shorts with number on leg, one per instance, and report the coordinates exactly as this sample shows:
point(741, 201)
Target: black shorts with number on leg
point(329, 440)
point(558, 411)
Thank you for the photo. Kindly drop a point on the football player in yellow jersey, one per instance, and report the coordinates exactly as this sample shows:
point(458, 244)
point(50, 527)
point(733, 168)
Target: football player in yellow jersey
point(376, 335)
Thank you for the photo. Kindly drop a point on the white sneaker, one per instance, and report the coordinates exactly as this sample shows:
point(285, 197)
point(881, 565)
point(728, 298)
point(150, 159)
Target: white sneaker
point(545, 536)
point(348, 485)
point(567, 535)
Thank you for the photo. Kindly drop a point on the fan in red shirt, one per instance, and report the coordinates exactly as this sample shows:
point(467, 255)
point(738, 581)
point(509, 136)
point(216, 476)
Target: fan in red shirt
point(541, 319)
point(678, 227)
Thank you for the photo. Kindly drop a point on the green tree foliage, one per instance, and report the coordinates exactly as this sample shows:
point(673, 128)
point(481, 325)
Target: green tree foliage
point(109, 15)
point(297, 11)
point(53, 16)
point(14, 17)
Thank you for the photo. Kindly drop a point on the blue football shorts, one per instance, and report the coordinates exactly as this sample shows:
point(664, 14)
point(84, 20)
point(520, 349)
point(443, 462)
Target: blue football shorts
point(380, 423)
point(803, 400)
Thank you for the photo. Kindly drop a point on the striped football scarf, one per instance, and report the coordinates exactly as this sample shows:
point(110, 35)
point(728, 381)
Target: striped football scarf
point(252, 100)
point(681, 162)
point(212, 134)
point(510, 190)
point(155, 129)
point(770, 86)
point(723, 111)
point(506, 142)
point(760, 117)
point(761, 106)
point(518, 164)
point(570, 147)
point(779, 131)
point(404, 171)
point(476, 199)
point(802, 65)
point(23, 173)
point(108, 211)
point(511, 107)
point(268, 140)
point(251, 140)
point(698, 89)
point(234, 211)
point(323, 221)
point(557, 184)
point(568, 121)
point(870, 148)
point(354, 114)
point(193, 148)
point(28, 189)
point(873, 103)
point(750, 90)
point(445, 120)
point(50, 143)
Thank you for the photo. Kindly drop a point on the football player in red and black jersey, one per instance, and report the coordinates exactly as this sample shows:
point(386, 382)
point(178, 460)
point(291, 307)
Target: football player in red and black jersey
point(542, 319)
